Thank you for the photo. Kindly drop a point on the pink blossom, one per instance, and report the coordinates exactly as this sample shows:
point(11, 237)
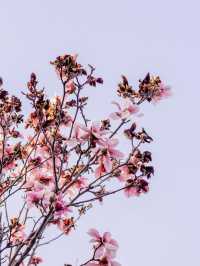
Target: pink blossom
point(108, 152)
point(110, 145)
point(107, 242)
point(136, 187)
point(60, 207)
point(34, 197)
point(70, 87)
point(96, 237)
point(39, 195)
point(163, 92)
point(9, 150)
point(66, 120)
point(123, 113)
point(10, 166)
point(83, 133)
point(44, 179)
point(100, 170)
point(18, 234)
point(131, 191)
point(40, 180)
point(65, 225)
point(97, 131)
point(36, 260)
point(124, 174)
point(81, 182)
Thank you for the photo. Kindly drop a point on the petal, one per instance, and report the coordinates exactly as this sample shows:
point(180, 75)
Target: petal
point(98, 171)
point(107, 236)
point(116, 154)
point(114, 243)
point(107, 163)
point(94, 233)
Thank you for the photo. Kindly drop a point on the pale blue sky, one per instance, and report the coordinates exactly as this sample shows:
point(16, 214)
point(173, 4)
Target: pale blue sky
point(129, 37)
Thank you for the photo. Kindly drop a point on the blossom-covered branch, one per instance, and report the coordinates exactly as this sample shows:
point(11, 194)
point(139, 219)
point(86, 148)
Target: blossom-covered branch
point(55, 162)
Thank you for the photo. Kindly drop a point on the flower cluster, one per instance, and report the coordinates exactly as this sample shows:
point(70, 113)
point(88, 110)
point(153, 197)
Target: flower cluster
point(10, 119)
point(17, 232)
point(150, 89)
point(105, 248)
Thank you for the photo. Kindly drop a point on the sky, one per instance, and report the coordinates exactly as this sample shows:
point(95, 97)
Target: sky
point(131, 38)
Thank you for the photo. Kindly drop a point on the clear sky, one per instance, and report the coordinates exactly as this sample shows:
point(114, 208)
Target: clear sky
point(129, 37)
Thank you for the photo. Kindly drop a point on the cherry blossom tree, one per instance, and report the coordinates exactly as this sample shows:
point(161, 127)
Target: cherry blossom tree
point(56, 163)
